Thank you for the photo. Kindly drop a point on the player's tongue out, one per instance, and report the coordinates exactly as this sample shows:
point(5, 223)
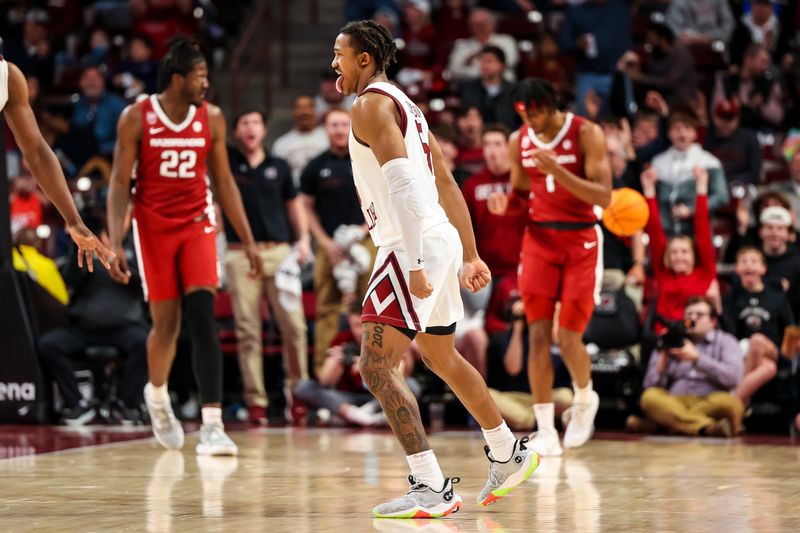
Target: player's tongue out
point(339, 84)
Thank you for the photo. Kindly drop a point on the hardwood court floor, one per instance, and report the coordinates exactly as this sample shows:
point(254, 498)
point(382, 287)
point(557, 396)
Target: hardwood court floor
point(299, 480)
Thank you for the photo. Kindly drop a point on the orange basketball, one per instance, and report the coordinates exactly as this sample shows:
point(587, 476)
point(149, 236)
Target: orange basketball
point(627, 213)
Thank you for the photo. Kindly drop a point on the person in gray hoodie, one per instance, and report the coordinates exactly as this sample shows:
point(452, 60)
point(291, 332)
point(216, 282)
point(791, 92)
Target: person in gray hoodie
point(678, 168)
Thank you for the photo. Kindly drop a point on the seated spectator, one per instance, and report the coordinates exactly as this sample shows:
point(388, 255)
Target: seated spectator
point(783, 260)
point(26, 257)
point(101, 312)
point(698, 22)
point(162, 20)
point(677, 169)
point(649, 134)
point(464, 60)
point(451, 20)
point(305, 141)
point(469, 123)
point(418, 54)
point(345, 252)
point(137, 73)
point(688, 388)
point(339, 387)
point(737, 148)
point(329, 97)
point(551, 65)
point(757, 315)
point(447, 137)
point(490, 93)
point(596, 33)
point(364, 9)
point(276, 217)
point(761, 26)
point(515, 400)
point(33, 52)
point(27, 201)
point(791, 188)
point(96, 111)
point(668, 67)
point(758, 86)
point(679, 271)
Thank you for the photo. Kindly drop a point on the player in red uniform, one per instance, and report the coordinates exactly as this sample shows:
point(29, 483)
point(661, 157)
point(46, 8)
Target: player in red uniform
point(560, 172)
point(171, 135)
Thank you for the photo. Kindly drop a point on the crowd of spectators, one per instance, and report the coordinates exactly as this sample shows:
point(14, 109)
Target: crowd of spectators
point(698, 100)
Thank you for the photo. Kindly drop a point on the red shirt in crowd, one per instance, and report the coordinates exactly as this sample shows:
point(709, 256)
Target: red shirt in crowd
point(26, 211)
point(470, 159)
point(351, 380)
point(675, 289)
point(499, 237)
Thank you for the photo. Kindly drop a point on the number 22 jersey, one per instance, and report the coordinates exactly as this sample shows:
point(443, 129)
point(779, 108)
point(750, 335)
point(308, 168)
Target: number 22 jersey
point(171, 183)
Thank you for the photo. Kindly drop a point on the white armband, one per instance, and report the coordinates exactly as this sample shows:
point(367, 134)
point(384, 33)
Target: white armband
point(407, 197)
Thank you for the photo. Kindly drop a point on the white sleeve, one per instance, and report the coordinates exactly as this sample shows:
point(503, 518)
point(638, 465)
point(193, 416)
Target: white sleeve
point(407, 197)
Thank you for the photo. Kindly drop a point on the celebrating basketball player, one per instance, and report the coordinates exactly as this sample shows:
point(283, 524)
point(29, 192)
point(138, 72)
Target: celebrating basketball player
point(44, 164)
point(172, 134)
point(420, 223)
point(560, 172)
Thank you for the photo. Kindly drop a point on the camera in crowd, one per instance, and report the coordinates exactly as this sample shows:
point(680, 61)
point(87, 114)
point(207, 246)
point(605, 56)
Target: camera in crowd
point(351, 351)
point(675, 334)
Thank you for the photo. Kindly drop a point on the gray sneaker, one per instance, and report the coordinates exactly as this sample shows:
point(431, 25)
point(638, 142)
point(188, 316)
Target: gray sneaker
point(422, 501)
point(214, 441)
point(166, 428)
point(503, 477)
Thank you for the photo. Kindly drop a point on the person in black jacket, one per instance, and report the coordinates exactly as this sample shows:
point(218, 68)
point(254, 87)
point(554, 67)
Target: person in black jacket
point(100, 312)
point(490, 92)
point(757, 315)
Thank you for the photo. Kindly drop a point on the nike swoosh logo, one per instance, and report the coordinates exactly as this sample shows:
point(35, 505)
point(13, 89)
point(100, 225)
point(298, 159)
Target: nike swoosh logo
point(154, 131)
point(209, 229)
point(589, 245)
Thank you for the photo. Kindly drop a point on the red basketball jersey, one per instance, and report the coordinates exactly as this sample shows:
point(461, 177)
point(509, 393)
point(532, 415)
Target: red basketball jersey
point(171, 181)
point(550, 202)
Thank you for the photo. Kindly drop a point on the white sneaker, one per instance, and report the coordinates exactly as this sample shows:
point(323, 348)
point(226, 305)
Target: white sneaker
point(545, 442)
point(581, 422)
point(214, 441)
point(166, 428)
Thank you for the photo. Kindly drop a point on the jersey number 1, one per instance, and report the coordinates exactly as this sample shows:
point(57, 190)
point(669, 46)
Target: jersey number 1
point(175, 164)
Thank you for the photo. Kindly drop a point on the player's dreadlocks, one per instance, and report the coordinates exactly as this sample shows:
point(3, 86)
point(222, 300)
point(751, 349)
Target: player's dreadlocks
point(184, 53)
point(374, 39)
point(534, 93)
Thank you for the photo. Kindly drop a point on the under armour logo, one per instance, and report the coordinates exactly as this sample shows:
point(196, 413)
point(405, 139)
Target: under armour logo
point(419, 261)
point(518, 459)
point(448, 496)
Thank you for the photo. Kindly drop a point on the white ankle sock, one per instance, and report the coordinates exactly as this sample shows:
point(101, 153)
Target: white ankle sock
point(501, 442)
point(425, 468)
point(158, 394)
point(211, 415)
point(582, 395)
point(545, 415)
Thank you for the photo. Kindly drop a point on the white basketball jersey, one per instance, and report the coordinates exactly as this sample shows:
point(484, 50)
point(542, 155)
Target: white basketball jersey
point(3, 83)
point(379, 210)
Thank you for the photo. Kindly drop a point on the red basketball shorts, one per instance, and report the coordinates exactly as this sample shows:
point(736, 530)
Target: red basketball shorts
point(561, 266)
point(173, 260)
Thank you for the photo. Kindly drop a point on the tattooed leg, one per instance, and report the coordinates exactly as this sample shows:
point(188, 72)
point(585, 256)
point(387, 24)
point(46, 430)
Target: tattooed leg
point(382, 350)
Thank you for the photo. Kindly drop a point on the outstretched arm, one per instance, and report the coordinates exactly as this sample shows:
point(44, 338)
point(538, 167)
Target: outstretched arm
point(227, 192)
point(47, 170)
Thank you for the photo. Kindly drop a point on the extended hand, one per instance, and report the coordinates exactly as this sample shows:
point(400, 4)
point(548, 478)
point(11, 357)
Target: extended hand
point(256, 265)
point(475, 275)
point(546, 161)
point(89, 246)
point(688, 352)
point(419, 284)
point(119, 270)
point(303, 249)
point(497, 203)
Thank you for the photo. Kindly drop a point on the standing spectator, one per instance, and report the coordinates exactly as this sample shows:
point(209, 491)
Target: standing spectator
point(305, 141)
point(677, 169)
point(329, 97)
point(791, 188)
point(736, 148)
point(137, 73)
point(276, 218)
point(464, 59)
point(597, 33)
point(668, 67)
point(97, 112)
point(331, 202)
point(783, 261)
point(698, 22)
point(33, 54)
point(470, 148)
point(758, 86)
point(687, 389)
point(490, 92)
point(757, 315)
point(101, 312)
point(679, 271)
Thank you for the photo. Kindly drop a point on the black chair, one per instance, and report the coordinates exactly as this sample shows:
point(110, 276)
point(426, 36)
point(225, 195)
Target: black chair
point(104, 363)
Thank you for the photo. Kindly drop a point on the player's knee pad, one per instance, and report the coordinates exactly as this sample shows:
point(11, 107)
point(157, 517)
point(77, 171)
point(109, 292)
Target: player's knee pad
point(575, 314)
point(206, 352)
point(538, 307)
